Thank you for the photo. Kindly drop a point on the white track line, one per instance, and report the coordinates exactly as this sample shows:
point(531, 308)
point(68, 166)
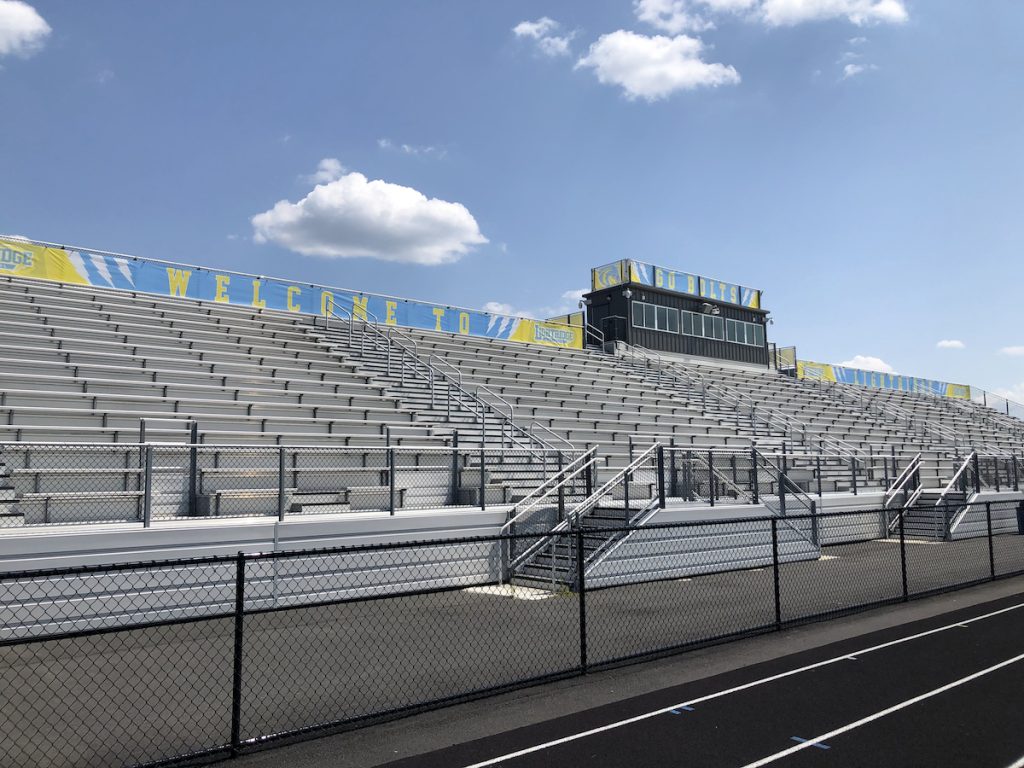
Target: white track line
point(1017, 764)
point(878, 715)
point(745, 686)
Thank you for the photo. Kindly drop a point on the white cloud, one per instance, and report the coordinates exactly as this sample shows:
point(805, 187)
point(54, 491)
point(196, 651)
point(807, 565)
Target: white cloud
point(1013, 351)
point(22, 30)
point(672, 16)
point(857, 40)
point(652, 68)
point(951, 344)
point(542, 32)
point(868, 363)
point(412, 149)
point(569, 303)
point(327, 170)
point(352, 217)
point(785, 13)
point(852, 70)
point(1014, 392)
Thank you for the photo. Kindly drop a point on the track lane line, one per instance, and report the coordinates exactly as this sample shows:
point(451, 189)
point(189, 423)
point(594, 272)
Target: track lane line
point(883, 713)
point(736, 689)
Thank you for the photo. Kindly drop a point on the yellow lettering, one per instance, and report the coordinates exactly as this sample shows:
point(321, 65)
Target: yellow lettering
point(256, 300)
point(734, 293)
point(691, 284)
point(359, 307)
point(293, 291)
point(389, 312)
point(177, 281)
point(438, 316)
point(671, 281)
point(326, 303)
point(659, 278)
point(222, 289)
point(464, 323)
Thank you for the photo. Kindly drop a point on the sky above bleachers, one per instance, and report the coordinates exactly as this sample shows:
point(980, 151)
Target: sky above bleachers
point(860, 161)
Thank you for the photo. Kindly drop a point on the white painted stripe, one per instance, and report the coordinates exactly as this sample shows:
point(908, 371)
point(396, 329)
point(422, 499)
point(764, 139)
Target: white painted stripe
point(878, 715)
point(1017, 764)
point(720, 694)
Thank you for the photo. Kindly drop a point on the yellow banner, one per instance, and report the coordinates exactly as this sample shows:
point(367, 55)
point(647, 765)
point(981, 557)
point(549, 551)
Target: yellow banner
point(548, 334)
point(26, 260)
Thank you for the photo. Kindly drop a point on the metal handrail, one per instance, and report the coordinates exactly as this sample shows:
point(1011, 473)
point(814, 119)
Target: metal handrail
point(903, 479)
point(538, 494)
point(572, 446)
point(595, 332)
point(956, 477)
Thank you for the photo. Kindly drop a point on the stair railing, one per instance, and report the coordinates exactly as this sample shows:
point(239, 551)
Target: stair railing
point(969, 465)
point(902, 483)
point(429, 371)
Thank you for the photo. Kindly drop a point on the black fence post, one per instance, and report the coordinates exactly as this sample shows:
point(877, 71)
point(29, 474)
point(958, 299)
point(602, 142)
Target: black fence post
point(193, 468)
point(673, 472)
point(688, 477)
point(753, 475)
point(782, 493)
point(589, 475)
point(483, 481)
point(995, 466)
point(853, 473)
point(775, 573)
point(817, 465)
point(1016, 475)
point(455, 468)
point(280, 483)
point(236, 678)
point(903, 554)
point(814, 522)
point(391, 480)
point(561, 488)
point(977, 473)
point(711, 477)
point(991, 546)
point(581, 591)
point(661, 476)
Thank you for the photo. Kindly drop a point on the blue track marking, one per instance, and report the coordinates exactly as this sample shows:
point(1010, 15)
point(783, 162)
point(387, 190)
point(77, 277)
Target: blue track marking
point(680, 710)
point(804, 741)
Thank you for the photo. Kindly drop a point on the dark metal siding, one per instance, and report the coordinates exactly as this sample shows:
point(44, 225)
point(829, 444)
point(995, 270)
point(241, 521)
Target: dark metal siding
point(611, 302)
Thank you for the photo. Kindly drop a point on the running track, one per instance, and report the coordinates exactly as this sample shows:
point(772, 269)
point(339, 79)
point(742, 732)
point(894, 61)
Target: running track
point(947, 691)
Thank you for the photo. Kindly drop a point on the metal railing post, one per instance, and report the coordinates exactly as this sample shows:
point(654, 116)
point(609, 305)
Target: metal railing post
point(589, 475)
point(814, 522)
point(454, 496)
point(193, 469)
point(991, 545)
point(483, 479)
point(817, 464)
point(560, 462)
point(661, 477)
point(391, 479)
point(281, 462)
point(775, 573)
point(711, 477)
point(753, 475)
point(782, 493)
point(236, 677)
point(147, 494)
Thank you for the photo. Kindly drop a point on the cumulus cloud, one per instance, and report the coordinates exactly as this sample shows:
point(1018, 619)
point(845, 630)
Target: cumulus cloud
point(676, 16)
point(22, 30)
point(542, 32)
point(569, 303)
point(327, 170)
point(1012, 351)
point(951, 344)
point(652, 68)
point(672, 16)
point(351, 217)
point(852, 70)
point(868, 363)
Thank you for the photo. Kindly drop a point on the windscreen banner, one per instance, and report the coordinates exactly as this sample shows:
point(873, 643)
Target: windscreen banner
point(129, 273)
point(876, 380)
point(642, 273)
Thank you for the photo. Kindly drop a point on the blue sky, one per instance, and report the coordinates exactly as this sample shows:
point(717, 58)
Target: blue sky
point(859, 160)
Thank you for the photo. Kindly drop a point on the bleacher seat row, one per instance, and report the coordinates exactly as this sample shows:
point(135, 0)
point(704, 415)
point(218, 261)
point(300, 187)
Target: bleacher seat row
point(89, 366)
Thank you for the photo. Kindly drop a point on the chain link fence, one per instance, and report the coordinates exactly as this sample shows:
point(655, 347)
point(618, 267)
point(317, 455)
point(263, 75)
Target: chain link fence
point(137, 664)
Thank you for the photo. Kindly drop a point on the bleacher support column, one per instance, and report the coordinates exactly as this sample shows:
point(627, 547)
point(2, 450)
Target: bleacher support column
point(391, 480)
point(193, 468)
point(147, 495)
point(661, 477)
point(281, 461)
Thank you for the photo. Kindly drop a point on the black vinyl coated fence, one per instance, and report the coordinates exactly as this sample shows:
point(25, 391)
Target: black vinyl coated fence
point(147, 664)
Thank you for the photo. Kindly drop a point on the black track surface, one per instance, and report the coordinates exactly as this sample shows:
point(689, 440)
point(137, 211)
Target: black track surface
point(979, 723)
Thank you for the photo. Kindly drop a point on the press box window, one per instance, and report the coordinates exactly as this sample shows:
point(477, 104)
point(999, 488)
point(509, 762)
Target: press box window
point(656, 318)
